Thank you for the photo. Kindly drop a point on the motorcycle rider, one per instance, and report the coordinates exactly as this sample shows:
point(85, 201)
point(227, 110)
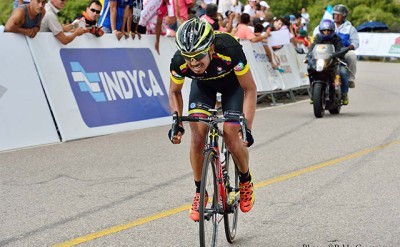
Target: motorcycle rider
point(327, 35)
point(350, 39)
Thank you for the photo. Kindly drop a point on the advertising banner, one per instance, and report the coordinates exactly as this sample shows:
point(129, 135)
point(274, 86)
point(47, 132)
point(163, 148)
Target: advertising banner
point(25, 118)
point(101, 86)
point(379, 44)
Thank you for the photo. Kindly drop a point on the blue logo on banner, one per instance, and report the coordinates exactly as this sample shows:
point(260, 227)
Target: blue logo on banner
point(117, 85)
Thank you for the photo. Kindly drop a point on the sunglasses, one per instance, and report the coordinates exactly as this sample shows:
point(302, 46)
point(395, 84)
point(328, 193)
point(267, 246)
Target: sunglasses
point(95, 10)
point(197, 56)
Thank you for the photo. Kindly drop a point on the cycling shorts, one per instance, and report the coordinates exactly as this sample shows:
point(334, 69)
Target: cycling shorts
point(203, 96)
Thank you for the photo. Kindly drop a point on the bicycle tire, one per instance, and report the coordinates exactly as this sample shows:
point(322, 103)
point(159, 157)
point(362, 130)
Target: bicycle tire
point(232, 194)
point(208, 210)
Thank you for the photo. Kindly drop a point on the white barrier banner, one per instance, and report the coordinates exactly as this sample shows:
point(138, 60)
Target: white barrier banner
point(25, 118)
point(98, 86)
point(379, 44)
point(265, 77)
point(277, 38)
point(288, 67)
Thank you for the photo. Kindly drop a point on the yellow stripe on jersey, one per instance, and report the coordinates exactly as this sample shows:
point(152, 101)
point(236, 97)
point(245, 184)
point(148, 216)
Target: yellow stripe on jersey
point(176, 80)
point(225, 58)
point(243, 71)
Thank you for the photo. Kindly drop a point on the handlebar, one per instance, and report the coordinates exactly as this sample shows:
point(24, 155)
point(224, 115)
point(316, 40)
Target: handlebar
point(210, 121)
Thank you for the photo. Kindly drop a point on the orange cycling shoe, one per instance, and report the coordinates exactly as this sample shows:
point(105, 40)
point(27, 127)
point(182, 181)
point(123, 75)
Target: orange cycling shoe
point(246, 196)
point(194, 211)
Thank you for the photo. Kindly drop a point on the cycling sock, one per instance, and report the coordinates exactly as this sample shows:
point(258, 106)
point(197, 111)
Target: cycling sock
point(245, 177)
point(197, 186)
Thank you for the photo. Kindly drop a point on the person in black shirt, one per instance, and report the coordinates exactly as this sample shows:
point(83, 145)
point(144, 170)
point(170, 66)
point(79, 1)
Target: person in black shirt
point(89, 18)
point(216, 63)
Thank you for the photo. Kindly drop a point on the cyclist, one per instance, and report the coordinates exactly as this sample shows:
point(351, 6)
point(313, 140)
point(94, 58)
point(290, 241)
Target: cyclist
point(216, 63)
point(327, 35)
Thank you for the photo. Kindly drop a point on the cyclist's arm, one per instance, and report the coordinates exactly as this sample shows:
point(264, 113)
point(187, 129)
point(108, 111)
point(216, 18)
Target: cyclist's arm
point(250, 96)
point(175, 97)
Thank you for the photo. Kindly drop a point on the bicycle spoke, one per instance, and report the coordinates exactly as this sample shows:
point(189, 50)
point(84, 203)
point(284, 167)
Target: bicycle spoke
point(209, 216)
point(233, 195)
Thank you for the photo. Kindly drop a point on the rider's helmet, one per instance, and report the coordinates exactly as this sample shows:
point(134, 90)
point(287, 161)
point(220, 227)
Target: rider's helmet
point(340, 9)
point(194, 35)
point(326, 25)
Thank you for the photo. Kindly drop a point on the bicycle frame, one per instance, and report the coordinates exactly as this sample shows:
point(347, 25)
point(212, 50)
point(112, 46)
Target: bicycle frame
point(221, 204)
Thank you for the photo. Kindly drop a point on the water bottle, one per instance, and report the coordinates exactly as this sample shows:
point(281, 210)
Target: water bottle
point(222, 157)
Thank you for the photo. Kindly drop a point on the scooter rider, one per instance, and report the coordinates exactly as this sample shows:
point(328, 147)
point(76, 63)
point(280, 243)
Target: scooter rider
point(350, 39)
point(327, 35)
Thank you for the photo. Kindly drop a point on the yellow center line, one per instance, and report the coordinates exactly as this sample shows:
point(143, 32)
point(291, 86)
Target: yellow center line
point(173, 211)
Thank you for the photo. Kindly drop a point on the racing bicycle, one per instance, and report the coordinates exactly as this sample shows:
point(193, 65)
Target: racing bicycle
point(219, 190)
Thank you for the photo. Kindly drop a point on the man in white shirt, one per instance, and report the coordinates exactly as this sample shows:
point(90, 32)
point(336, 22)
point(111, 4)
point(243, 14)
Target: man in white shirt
point(50, 23)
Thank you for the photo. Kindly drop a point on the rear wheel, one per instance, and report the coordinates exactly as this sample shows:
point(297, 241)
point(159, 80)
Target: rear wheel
point(232, 193)
point(208, 210)
point(318, 95)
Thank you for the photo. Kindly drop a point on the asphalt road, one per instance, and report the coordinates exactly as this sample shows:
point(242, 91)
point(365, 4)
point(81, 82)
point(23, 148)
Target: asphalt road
point(319, 182)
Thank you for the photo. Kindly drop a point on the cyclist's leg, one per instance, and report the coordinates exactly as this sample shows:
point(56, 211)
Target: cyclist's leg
point(200, 100)
point(232, 104)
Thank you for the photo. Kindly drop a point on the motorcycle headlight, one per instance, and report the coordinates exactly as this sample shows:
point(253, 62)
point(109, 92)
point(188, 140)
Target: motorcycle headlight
point(320, 64)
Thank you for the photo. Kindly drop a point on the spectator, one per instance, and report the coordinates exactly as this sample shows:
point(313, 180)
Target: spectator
point(277, 24)
point(287, 24)
point(302, 40)
point(181, 8)
point(26, 18)
point(251, 9)
point(216, 19)
point(50, 23)
point(161, 27)
point(262, 9)
point(137, 7)
point(89, 18)
point(19, 2)
point(305, 18)
point(296, 24)
point(112, 17)
point(242, 31)
point(127, 19)
point(260, 30)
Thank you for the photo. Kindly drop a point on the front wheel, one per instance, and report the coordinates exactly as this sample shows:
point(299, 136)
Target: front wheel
point(208, 210)
point(231, 178)
point(337, 102)
point(318, 96)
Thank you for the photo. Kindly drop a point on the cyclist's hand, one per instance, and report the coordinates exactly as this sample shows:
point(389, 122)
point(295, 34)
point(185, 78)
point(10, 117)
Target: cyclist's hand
point(176, 138)
point(249, 137)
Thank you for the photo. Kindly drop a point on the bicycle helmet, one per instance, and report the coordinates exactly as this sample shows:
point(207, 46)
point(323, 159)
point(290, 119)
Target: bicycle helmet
point(194, 35)
point(340, 9)
point(326, 25)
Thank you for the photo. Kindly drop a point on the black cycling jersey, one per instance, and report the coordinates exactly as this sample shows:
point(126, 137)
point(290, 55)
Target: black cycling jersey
point(228, 61)
point(228, 56)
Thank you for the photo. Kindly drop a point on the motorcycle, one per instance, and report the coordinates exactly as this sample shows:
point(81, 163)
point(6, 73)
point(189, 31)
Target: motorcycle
point(324, 74)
